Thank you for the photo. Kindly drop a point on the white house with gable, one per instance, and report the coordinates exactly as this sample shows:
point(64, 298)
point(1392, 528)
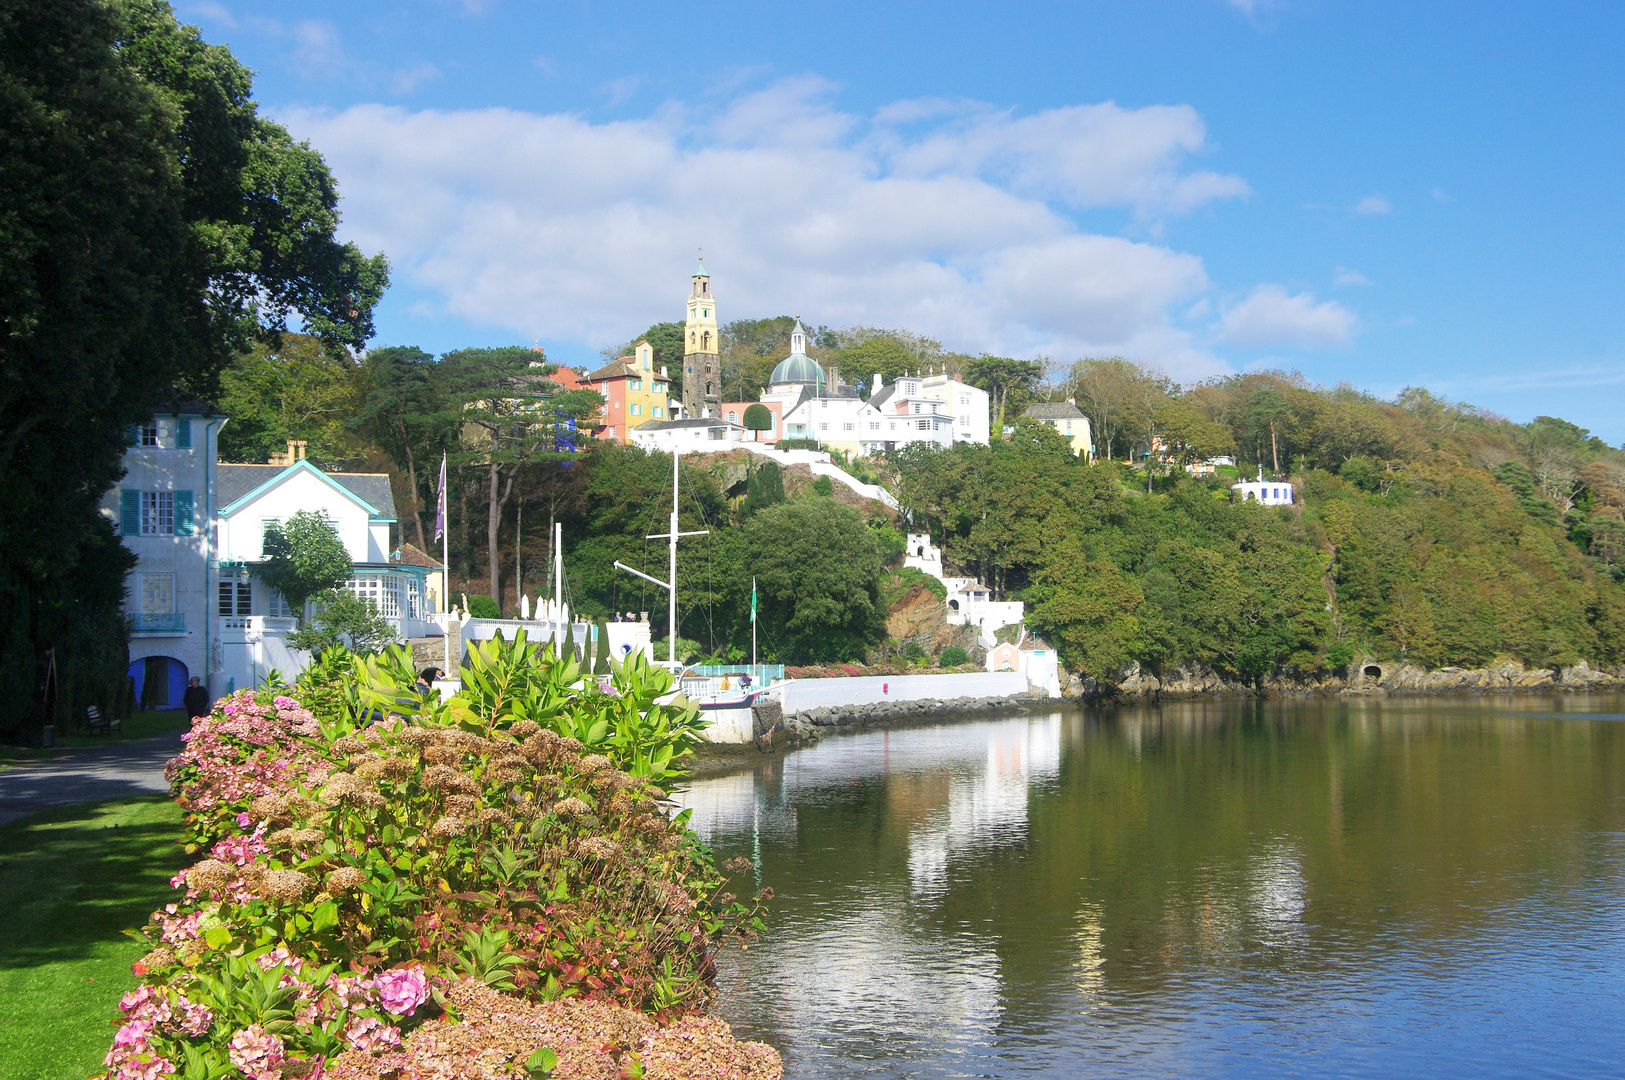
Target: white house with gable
point(254, 619)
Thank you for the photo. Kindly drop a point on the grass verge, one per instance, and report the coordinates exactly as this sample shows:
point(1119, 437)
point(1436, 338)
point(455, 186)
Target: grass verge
point(142, 725)
point(70, 881)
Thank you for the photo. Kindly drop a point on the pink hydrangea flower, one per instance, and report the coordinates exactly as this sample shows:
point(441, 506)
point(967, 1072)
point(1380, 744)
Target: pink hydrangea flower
point(195, 1019)
point(402, 990)
point(370, 1035)
point(258, 1053)
point(132, 1036)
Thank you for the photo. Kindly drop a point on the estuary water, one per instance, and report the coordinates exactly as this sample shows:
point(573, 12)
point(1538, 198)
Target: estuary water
point(1418, 887)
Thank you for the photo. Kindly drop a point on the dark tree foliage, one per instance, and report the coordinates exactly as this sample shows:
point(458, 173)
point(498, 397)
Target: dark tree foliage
point(400, 414)
point(153, 225)
point(818, 572)
point(763, 488)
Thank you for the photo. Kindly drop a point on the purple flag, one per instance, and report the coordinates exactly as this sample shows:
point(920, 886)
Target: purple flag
point(440, 502)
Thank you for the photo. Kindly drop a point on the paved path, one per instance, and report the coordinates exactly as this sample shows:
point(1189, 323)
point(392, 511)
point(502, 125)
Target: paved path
point(115, 771)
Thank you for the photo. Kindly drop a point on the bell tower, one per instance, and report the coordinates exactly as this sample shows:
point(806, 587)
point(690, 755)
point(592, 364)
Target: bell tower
point(702, 364)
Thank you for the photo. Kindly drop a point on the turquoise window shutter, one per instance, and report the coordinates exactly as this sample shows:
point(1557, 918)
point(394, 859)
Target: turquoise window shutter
point(183, 513)
point(183, 434)
point(129, 512)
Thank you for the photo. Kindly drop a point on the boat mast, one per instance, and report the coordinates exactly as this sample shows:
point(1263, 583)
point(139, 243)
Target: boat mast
point(670, 586)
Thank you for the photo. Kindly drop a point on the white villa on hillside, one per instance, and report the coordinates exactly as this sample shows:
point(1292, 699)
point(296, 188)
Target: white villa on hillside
point(969, 602)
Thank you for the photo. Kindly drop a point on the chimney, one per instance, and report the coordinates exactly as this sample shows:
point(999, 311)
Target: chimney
point(663, 374)
point(878, 383)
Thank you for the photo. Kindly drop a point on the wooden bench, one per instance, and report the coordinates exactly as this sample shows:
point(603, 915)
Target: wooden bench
point(97, 724)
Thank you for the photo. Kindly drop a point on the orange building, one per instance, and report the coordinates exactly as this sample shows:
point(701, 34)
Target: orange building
point(634, 392)
point(734, 413)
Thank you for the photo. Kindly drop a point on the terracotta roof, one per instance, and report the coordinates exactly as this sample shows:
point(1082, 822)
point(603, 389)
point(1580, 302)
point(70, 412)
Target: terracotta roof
point(620, 369)
point(409, 555)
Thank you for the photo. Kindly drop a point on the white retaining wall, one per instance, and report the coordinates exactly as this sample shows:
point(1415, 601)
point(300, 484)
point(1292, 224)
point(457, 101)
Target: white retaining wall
point(800, 695)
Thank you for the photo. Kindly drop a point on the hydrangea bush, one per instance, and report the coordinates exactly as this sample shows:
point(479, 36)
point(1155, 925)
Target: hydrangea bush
point(351, 875)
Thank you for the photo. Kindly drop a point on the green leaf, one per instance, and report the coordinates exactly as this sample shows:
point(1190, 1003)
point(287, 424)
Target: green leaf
point(325, 916)
point(217, 937)
point(541, 1064)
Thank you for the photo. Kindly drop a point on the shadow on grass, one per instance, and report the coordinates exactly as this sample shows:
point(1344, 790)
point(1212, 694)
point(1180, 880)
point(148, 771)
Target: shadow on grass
point(72, 879)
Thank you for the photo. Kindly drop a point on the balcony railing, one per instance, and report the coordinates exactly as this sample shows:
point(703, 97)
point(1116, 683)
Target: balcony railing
point(160, 622)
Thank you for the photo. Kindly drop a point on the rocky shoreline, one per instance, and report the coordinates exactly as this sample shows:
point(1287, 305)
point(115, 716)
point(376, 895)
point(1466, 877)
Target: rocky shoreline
point(1368, 678)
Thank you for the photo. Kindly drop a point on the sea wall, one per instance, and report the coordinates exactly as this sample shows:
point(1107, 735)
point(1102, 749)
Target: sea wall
point(806, 695)
point(1368, 677)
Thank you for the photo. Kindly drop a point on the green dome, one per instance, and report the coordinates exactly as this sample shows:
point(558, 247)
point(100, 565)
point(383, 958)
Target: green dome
point(797, 368)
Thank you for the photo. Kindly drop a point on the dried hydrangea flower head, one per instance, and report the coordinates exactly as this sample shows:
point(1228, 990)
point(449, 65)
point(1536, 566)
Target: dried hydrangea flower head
point(210, 875)
point(284, 886)
point(345, 879)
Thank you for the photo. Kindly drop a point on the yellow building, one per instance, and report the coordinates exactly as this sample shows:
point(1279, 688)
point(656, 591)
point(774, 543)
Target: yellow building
point(634, 392)
point(1069, 420)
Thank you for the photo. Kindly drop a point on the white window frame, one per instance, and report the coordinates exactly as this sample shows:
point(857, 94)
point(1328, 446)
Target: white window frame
point(157, 513)
point(157, 593)
point(150, 435)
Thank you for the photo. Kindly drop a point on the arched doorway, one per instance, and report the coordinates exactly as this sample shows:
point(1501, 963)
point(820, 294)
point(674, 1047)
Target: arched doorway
point(1372, 671)
point(160, 682)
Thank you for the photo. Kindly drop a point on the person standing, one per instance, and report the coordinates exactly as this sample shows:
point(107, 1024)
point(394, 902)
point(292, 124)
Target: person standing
point(196, 699)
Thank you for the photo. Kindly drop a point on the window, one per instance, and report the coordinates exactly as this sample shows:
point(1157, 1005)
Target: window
point(823, 426)
point(849, 427)
point(923, 425)
point(964, 399)
point(964, 421)
point(705, 314)
point(149, 433)
point(225, 598)
point(916, 407)
point(157, 594)
point(1069, 425)
point(381, 591)
point(636, 409)
point(733, 418)
point(414, 599)
point(637, 384)
point(874, 425)
point(267, 526)
point(183, 434)
point(157, 513)
point(659, 412)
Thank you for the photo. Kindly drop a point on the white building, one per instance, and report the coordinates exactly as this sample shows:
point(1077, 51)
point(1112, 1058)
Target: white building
point(1268, 492)
point(1041, 664)
point(935, 408)
point(162, 509)
point(255, 619)
point(689, 436)
point(969, 602)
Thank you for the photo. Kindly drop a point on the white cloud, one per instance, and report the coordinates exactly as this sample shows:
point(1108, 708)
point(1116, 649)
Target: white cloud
point(1345, 276)
point(1373, 204)
point(945, 218)
point(1270, 316)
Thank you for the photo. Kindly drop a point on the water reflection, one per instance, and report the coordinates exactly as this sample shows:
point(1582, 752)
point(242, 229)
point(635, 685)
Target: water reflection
point(1214, 888)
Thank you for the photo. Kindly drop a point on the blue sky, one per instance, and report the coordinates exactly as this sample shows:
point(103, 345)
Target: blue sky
point(1383, 193)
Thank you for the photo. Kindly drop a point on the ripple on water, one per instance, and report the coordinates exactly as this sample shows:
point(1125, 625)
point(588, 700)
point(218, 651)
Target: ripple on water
point(1213, 890)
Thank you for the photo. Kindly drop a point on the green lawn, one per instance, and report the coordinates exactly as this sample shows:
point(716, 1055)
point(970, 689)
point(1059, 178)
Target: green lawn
point(143, 725)
point(70, 881)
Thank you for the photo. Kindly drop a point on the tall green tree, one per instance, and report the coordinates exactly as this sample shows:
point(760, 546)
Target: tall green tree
point(304, 557)
point(398, 411)
point(298, 388)
point(154, 225)
point(818, 572)
point(1007, 382)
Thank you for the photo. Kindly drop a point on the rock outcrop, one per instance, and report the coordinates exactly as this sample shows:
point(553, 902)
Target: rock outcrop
point(1369, 676)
